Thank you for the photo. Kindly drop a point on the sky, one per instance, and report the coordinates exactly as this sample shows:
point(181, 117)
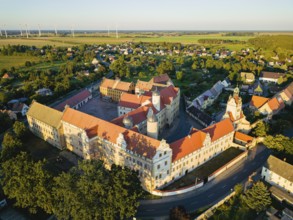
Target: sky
point(194, 15)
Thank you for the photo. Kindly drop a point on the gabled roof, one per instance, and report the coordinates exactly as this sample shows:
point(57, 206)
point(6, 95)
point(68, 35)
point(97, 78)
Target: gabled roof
point(280, 167)
point(195, 139)
point(132, 101)
point(271, 75)
point(258, 101)
point(136, 142)
point(168, 94)
point(74, 100)
point(116, 84)
point(187, 145)
point(243, 137)
point(45, 114)
point(162, 79)
point(219, 129)
point(276, 104)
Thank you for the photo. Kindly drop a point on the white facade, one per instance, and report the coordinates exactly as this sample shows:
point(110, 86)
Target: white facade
point(277, 180)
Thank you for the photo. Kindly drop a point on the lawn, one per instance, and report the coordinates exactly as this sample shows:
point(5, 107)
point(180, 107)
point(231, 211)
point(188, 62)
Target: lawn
point(15, 61)
point(206, 169)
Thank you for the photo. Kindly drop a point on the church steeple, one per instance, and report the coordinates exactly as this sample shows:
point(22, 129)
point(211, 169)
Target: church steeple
point(236, 92)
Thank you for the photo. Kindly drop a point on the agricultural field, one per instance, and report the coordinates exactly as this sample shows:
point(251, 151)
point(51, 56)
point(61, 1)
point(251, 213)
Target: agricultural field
point(102, 38)
point(15, 61)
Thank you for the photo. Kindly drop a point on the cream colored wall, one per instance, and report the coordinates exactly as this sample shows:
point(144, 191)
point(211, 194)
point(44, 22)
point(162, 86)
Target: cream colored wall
point(276, 180)
point(45, 131)
point(76, 140)
point(199, 157)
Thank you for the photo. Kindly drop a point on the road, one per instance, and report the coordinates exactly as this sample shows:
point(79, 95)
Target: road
point(210, 193)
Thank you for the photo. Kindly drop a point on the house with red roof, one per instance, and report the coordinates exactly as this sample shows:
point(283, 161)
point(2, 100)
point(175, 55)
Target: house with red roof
point(287, 94)
point(270, 76)
point(76, 101)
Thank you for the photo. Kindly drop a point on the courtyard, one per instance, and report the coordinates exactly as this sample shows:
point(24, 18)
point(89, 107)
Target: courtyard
point(101, 109)
point(206, 169)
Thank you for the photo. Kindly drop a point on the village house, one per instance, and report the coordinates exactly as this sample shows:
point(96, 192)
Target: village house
point(20, 108)
point(278, 173)
point(247, 77)
point(44, 92)
point(270, 76)
point(287, 94)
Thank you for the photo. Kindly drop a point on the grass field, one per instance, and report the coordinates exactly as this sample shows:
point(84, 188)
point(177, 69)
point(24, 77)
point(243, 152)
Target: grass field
point(9, 61)
point(98, 39)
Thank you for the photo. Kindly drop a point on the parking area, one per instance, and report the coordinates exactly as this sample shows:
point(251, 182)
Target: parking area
point(101, 109)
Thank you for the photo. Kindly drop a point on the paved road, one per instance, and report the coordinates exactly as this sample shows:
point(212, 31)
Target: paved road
point(208, 194)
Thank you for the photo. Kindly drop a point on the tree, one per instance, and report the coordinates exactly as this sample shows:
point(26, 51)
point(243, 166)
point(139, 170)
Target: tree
point(280, 143)
point(19, 129)
point(92, 192)
point(238, 189)
point(179, 75)
point(11, 146)
point(194, 65)
point(178, 213)
point(120, 68)
point(257, 198)
point(27, 182)
point(261, 129)
point(5, 122)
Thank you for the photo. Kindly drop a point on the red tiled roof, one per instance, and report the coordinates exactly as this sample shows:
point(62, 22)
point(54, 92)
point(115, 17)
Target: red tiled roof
point(276, 104)
point(243, 137)
point(168, 94)
point(220, 129)
point(132, 101)
point(74, 100)
point(194, 141)
point(163, 79)
point(136, 142)
point(116, 84)
point(258, 101)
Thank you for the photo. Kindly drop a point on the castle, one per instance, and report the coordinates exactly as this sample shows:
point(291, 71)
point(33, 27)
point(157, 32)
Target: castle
point(132, 139)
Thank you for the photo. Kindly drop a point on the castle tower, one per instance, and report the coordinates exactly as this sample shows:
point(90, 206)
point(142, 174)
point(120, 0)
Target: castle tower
point(156, 99)
point(234, 106)
point(152, 125)
point(127, 122)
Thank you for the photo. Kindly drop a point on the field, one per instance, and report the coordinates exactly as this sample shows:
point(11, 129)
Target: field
point(16, 61)
point(102, 38)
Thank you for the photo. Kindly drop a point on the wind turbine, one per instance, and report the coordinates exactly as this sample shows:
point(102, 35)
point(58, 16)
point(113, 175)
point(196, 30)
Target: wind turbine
point(72, 31)
point(56, 31)
point(108, 32)
point(5, 30)
point(1, 33)
point(26, 31)
point(40, 34)
point(116, 32)
point(20, 30)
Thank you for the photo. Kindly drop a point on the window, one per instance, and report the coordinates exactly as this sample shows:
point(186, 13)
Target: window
point(165, 152)
point(158, 167)
point(160, 176)
point(160, 155)
point(166, 162)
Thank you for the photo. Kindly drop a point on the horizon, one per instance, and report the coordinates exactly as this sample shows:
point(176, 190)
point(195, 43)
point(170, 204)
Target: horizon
point(153, 15)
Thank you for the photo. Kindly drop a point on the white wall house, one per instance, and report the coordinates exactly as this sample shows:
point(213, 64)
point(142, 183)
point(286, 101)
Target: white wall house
point(278, 173)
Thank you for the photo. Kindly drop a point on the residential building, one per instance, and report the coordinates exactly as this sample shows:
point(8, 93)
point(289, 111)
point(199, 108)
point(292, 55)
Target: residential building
point(287, 94)
point(272, 106)
point(129, 102)
point(114, 88)
point(75, 101)
point(244, 139)
point(270, 76)
point(257, 101)
point(247, 77)
point(44, 92)
point(45, 122)
point(278, 173)
point(20, 108)
point(157, 82)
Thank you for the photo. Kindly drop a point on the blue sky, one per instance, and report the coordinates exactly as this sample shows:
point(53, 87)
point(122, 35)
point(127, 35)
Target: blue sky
point(148, 14)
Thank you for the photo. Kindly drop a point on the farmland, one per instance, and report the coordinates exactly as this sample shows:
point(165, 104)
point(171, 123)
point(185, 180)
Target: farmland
point(15, 61)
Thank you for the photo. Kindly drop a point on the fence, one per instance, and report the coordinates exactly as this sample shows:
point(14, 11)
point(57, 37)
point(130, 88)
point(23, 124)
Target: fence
point(177, 191)
point(228, 165)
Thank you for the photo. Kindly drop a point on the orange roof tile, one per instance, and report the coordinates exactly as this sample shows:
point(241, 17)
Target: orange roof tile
point(258, 101)
point(194, 141)
point(145, 86)
point(132, 101)
point(136, 142)
point(243, 137)
point(162, 79)
point(168, 94)
point(187, 145)
point(116, 84)
point(276, 104)
point(220, 129)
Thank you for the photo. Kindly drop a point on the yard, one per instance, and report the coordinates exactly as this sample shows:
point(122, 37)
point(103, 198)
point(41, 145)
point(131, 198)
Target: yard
point(206, 169)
